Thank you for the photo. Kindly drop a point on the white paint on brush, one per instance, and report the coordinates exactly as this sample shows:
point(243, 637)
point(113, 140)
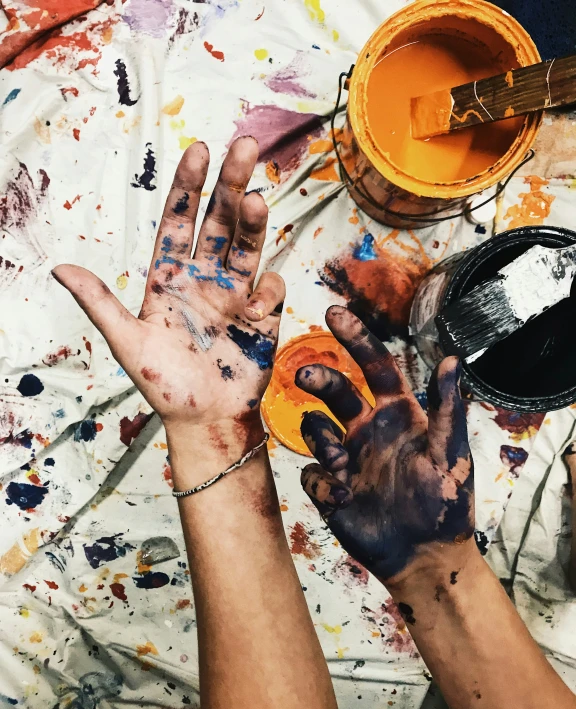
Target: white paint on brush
point(538, 279)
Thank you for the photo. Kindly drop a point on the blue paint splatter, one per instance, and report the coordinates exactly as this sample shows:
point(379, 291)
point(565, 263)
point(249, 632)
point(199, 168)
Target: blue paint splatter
point(166, 244)
point(25, 496)
point(237, 251)
point(221, 278)
point(240, 271)
point(85, 431)
point(8, 700)
point(50, 462)
point(121, 372)
point(182, 204)
point(219, 243)
point(11, 96)
point(59, 414)
point(422, 399)
point(155, 579)
point(146, 179)
point(365, 251)
point(106, 549)
point(252, 403)
point(256, 347)
point(480, 229)
point(315, 46)
point(30, 385)
point(170, 260)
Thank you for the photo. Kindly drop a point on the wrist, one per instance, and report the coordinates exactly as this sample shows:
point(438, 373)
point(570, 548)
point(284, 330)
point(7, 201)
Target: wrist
point(200, 451)
point(436, 570)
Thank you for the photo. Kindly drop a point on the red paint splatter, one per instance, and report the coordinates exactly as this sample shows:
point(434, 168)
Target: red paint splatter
point(191, 401)
point(167, 396)
point(63, 518)
point(68, 205)
point(300, 542)
point(217, 439)
point(216, 54)
point(70, 90)
point(34, 479)
point(87, 345)
point(261, 14)
point(99, 427)
point(348, 569)
point(518, 423)
point(29, 587)
point(182, 603)
point(131, 428)
point(150, 375)
point(51, 584)
point(61, 354)
point(119, 591)
point(76, 133)
point(167, 475)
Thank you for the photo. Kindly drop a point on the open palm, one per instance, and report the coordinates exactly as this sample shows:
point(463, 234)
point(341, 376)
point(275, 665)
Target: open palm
point(203, 345)
point(399, 480)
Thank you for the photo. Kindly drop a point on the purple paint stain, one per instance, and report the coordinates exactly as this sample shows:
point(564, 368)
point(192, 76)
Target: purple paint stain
point(283, 135)
point(149, 16)
point(284, 81)
point(155, 579)
point(25, 496)
point(105, 549)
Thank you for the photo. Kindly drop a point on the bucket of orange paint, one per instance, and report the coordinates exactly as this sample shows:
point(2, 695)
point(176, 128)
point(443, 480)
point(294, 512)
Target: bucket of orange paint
point(427, 46)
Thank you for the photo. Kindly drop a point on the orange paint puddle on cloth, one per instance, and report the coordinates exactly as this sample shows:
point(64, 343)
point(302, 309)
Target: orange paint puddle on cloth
point(284, 403)
point(431, 64)
point(534, 206)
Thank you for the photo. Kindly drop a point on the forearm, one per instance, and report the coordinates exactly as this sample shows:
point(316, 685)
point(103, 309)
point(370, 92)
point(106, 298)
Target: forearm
point(475, 643)
point(258, 646)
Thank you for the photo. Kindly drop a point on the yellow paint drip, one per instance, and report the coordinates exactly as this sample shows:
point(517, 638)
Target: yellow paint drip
point(174, 107)
point(335, 35)
point(186, 142)
point(36, 637)
point(261, 54)
point(337, 629)
point(121, 282)
point(314, 10)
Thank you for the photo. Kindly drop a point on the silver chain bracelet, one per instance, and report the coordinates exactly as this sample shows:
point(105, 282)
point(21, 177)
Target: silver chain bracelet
point(218, 477)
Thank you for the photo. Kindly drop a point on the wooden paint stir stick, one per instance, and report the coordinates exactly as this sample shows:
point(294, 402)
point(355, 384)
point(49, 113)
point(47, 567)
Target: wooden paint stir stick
point(519, 91)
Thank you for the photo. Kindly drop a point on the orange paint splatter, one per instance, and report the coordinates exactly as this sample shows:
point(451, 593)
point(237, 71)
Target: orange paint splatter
point(273, 172)
point(215, 53)
point(354, 219)
point(321, 146)
point(76, 133)
point(318, 232)
point(534, 207)
point(68, 205)
point(147, 649)
point(52, 584)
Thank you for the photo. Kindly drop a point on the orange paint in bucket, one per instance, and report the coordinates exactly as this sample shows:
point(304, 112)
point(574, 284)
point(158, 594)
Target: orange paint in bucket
point(428, 46)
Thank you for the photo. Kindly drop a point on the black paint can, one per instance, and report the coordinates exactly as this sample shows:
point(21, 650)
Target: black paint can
point(533, 370)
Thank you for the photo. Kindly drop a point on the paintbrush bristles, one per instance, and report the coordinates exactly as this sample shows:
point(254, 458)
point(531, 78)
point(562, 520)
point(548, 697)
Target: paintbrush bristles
point(478, 320)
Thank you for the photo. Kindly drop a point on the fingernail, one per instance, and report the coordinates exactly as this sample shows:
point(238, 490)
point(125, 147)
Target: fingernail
point(257, 308)
point(341, 495)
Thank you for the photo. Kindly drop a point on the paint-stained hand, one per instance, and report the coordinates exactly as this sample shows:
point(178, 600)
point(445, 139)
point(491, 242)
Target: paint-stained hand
point(397, 489)
point(202, 348)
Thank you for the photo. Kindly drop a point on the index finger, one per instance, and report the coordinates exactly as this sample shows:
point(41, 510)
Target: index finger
point(380, 370)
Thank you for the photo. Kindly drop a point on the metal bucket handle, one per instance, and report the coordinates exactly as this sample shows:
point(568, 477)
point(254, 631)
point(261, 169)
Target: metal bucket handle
point(426, 217)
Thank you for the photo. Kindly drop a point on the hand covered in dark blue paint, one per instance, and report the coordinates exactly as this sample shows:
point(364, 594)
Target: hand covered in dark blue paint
point(202, 348)
point(398, 489)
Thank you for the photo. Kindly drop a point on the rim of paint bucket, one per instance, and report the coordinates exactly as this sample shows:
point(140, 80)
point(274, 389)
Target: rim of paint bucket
point(479, 11)
point(553, 236)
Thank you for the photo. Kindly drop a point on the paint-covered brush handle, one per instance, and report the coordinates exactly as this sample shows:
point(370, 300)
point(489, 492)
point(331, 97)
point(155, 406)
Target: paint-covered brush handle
point(517, 92)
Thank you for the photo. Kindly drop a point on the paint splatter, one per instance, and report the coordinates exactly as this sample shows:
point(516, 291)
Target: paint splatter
point(150, 17)
point(8, 700)
point(315, 11)
point(513, 458)
point(302, 545)
point(285, 81)
point(30, 385)
point(105, 550)
point(11, 96)
point(154, 579)
point(147, 178)
point(20, 199)
point(131, 428)
point(379, 290)
point(182, 204)
point(283, 135)
point(26, 497)
point(387, 622)
point(519, 425)
point(215, 53)
point(481, 542)
point(225, 370)
point(86, 430)
point(58, 356)
point(534, 207)
point(123, 85)
point(118, 591)
point(256, 347)
point(351, 572)
point(365, 250)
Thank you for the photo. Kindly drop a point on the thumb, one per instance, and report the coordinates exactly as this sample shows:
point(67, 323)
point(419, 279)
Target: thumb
point(447, 429)
point(326, 492)
point(98, 302)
